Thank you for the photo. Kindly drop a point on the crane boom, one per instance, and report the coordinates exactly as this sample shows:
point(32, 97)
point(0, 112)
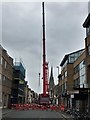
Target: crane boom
point(44, 54)
point(44, 97)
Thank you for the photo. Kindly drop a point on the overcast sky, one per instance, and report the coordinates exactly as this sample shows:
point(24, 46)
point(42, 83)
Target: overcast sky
point(22, 34)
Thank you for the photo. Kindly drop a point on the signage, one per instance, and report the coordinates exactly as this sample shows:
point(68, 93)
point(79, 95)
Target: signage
point(72, 96)
point(21, 82)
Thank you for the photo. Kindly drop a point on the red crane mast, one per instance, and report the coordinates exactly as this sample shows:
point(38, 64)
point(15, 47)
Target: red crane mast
point(44, 97)
point(44, 54)
point(45, 64)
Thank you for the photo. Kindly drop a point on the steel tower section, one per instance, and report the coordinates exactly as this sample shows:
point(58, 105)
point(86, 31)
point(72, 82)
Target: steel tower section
point(44, 54)
point(44, 97)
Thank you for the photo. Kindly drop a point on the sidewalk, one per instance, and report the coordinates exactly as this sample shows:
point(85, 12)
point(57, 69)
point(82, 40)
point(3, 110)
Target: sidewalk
point(66, 116)
point(6, 110)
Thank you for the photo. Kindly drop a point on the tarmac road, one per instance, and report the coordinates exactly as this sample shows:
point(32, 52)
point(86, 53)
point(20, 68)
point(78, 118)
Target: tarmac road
point(33, 114)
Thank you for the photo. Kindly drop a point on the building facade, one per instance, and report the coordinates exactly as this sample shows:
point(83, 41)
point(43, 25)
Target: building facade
point(29, 96)
point(13, 87)
point(75, 76)
point(86, 25)
point(26, 92)
point(69, 78)
point(18, 88)
point(6, 73)
point(56, 94)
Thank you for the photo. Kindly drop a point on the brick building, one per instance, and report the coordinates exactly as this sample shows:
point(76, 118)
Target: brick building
point(75, 76)
point(86, 25)
point(6, 72)
point(67, 80)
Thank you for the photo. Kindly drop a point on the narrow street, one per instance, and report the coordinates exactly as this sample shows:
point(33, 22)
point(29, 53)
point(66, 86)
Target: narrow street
point(45, 60)
point(34, 114)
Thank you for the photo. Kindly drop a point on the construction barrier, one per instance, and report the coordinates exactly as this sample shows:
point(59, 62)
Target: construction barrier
point(36, 107)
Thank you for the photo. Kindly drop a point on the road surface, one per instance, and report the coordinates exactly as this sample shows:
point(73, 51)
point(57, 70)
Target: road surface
point(34, 114)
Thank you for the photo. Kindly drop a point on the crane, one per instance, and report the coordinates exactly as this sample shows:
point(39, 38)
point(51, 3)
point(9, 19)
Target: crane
point(44, 97)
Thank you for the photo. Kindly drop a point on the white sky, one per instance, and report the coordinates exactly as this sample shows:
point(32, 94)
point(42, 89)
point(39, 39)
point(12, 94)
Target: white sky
point(22, 33)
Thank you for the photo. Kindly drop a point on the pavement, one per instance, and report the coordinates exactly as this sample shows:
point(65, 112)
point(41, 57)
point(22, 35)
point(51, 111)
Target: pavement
point(6, 111)
point(66, 116)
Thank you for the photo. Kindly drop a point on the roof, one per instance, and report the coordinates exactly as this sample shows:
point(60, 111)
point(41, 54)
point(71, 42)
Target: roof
point(86, 24)
point(66, 57)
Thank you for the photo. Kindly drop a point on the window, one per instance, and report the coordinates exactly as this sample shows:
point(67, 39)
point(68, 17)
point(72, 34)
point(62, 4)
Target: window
point(82, 73)
point(83, 79)
point(71, 58)
point(0, 76)
point(64, 64)
point(76, 82)
point(4, 78)
point(82, 64)
point(89, 49)
point(65, 85)
point(81, 69)
point(88, 30)
point(5, 64)
point(66, 74)
point(1, 60)
point(76, 69)
point(62, 77)
point(74, 56)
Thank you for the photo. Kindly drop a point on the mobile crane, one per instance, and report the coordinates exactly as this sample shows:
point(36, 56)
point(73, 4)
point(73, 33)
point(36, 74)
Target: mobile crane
point(44, 97)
